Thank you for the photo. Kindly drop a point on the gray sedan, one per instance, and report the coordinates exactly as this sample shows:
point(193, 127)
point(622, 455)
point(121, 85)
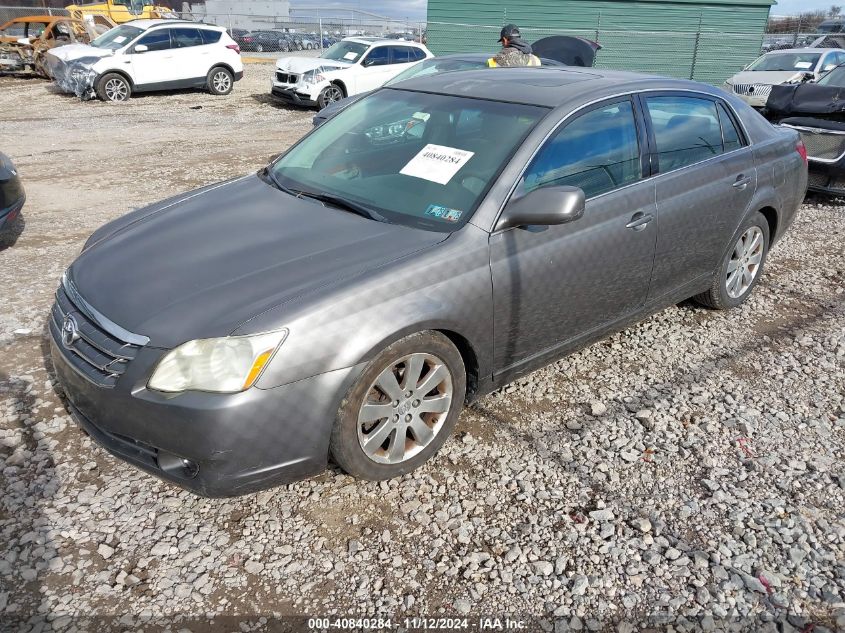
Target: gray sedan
point(427, 245)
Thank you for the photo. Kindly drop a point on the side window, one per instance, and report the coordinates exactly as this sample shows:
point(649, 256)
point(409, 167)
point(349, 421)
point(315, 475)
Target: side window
point(419, 54)
point(598, 152)
point(402, 54)
point(730, 135)
point(379, 56)
point(185, 37)
point(686, 129)
point(210, 37)
point(157, 40)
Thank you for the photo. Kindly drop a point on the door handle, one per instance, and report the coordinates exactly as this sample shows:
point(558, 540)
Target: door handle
point(639, 221)
point(741, 183)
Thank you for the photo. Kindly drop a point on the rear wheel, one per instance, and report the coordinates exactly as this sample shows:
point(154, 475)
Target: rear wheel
point(113, 87)
point(402, 408)
point(220, 81)
point(741, 268)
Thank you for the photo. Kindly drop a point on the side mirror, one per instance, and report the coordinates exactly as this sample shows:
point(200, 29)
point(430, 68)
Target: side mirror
point(368, 62)
point(141, 48)
point(546, 206)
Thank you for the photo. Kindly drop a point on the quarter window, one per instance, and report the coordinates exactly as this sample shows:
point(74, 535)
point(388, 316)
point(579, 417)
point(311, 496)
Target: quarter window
point(598, 152)
point(186, 37)
point(156, 41)
point(686, 129)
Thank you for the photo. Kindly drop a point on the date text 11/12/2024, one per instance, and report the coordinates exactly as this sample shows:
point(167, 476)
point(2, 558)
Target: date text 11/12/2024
point(418, 624)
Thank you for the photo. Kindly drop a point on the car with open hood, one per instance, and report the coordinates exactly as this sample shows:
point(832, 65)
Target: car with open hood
point(817, 111)
point(146, 56)
point(349, 298)
point(795, 65)
point(349, 67)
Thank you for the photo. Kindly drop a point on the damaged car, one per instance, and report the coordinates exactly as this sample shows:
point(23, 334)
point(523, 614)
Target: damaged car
point(351, 66)
point(816, 110)
point(24, 41)
point(12, 195)
point(149, 55)
point(754, 83)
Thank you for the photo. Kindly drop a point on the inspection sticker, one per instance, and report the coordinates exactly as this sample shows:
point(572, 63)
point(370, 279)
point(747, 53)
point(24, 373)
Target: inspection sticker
point(437, 163)
point(804, 65)
point(443, 213)
point(120, 39)
point(351, 55)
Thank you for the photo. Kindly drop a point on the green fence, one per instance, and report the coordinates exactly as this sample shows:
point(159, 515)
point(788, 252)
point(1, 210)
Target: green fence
point(706, 56)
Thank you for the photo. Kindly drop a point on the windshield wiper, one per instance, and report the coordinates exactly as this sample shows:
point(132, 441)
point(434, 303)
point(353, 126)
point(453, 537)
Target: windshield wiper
point(343, 203)
point(268, 175)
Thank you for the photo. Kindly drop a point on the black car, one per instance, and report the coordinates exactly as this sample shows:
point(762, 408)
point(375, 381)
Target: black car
point(12, 195)
point(817, 111)
point(261, 41)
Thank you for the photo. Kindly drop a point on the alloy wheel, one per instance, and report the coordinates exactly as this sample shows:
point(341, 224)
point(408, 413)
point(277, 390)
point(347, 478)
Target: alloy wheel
point(221, 81)
point(116, 90)
point(405, 408)
point(745, 262)
point(333, 94)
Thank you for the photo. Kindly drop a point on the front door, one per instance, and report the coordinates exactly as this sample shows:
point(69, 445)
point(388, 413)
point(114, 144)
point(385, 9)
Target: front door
point(154, 65)
point(554, 284)
point(374, 70)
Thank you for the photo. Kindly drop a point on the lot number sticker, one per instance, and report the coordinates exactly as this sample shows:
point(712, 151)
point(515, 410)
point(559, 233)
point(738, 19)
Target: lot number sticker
point(437, 163)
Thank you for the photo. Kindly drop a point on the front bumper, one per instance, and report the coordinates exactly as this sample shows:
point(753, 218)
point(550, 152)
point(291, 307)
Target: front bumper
point(233, 443)
point(293, 94)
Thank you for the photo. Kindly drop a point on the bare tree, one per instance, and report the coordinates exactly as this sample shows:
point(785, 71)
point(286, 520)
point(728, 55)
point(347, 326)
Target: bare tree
point(835, 10)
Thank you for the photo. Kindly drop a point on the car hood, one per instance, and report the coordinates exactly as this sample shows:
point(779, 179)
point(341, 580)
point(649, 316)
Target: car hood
point(768, 78)
point(303, 64)
point(201, 266)
point(72, 52)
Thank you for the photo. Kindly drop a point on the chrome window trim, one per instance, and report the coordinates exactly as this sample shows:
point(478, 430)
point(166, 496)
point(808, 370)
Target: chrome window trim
point(816, 130)
point(564, 120)
point(103, 321)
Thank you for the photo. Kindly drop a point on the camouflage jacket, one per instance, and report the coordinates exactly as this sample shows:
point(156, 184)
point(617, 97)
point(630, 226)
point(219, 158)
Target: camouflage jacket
point(512, 57)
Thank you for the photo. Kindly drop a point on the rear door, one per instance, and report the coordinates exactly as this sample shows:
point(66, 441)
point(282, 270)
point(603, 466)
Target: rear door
point(706, 180)
point(190, 54)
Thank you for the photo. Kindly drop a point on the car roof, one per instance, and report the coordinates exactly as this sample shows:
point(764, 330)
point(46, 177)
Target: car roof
point(375, 41)
point(145, 23)
point(806, 49)
point(549, 86)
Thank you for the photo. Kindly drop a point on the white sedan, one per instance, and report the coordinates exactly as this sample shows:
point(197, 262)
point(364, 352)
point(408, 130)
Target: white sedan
point(351, 66)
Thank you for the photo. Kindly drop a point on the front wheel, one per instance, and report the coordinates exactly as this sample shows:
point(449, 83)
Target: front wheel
point(742, 266)
point(113, 87)
point(402, 408)
point(329, 94)
point(220, 81)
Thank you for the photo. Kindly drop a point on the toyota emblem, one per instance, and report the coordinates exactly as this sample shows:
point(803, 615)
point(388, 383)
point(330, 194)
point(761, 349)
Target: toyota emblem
point(70, 331)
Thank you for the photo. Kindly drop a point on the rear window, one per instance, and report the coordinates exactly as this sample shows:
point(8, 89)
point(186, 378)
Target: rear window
point(210, 37)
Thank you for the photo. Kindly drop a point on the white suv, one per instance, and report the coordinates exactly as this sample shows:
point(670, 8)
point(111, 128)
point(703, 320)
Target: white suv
point(351, 66)
point(146, 55)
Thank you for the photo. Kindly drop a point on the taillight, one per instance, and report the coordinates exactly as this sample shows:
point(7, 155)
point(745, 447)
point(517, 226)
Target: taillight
point(802, 150)
point(234, 47)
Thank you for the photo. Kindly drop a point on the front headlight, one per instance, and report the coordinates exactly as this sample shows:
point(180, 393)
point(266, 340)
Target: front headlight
point(312, 77)
point(221, 365)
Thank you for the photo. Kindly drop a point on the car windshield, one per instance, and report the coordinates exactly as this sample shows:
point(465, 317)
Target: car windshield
point(345, 52)
point(829, 27)
point(786, 61)
point(419, 159)
point(835, 78)
point(117, 37)
point(434, 66)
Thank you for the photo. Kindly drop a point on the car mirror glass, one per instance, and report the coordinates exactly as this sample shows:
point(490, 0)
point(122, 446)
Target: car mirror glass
point(546, 206)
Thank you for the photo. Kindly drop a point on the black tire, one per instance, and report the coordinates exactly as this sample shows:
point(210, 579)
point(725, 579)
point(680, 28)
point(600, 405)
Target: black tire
point(220, 81)
point(329, 95)
point(346, 448)
point(718, 295)
point(113, 87)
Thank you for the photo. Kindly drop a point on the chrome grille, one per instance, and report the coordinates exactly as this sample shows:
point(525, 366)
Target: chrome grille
point(753, 90)
point(823, 146)
point(286, 78)
point(96, 354)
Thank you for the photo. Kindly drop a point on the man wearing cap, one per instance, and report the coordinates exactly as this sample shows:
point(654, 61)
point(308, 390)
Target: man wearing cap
point(515, 51)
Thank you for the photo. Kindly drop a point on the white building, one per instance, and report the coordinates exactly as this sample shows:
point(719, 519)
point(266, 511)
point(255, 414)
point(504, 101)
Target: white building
point(243, 14)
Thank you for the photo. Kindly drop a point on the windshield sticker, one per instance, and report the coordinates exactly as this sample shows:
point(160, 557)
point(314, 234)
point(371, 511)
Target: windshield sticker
point(443, 213)
point(120, 39)
point(350, 56)
point(804, 65)
point(437, 163)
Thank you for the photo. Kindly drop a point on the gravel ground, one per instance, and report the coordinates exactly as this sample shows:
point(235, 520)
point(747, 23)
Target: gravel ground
point(687, 472)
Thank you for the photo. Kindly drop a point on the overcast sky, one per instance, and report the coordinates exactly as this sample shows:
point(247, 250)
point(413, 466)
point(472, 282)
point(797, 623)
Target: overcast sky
point(788, 7)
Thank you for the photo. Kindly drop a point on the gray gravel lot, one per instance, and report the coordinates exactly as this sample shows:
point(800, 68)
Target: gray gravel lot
point(689, 471)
